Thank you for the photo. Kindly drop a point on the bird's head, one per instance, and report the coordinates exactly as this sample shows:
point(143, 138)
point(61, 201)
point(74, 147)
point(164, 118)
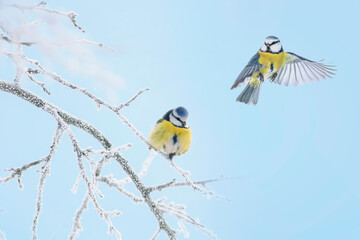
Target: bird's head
point(271, 45)
point(179, 116)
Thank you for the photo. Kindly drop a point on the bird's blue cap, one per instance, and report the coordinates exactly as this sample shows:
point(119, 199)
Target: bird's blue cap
point(182, 112)
point(272, 37)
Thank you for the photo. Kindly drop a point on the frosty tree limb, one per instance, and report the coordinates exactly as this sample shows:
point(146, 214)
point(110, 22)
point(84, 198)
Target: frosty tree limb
point(109, 180)
point(142, 172)
point(178, 211)
point(157, 233)
point(42, 85)
point(91, 186)
point(7, 39)
point(83, 41)
point(173, 183)
point(44, 172)
point(18, 172)
point(41, 6)
point(69, 119)
point(77, 225)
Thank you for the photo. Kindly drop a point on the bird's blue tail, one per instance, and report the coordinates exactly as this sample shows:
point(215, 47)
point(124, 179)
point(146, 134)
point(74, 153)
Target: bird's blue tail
point(250, 95)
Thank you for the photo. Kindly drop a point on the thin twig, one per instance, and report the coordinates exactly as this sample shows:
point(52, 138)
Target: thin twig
point(18, 172)
point(132, 99)
point(7, 39)
point(156, 234)
point(42, 85)
point(173, 183)
point(41, 6)
point(44, 173)
point(77, 224)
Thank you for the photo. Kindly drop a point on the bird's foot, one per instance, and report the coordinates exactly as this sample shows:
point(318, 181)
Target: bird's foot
point(272, 78)
point(171, 155)
point(261, 77)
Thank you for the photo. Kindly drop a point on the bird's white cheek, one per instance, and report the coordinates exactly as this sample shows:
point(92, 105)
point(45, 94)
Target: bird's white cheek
point(276, 47)
point(263, 48)
point(175, 121)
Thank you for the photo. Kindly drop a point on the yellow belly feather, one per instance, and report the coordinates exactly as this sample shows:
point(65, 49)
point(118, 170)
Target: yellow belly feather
point(266, 59)
point(163, 133)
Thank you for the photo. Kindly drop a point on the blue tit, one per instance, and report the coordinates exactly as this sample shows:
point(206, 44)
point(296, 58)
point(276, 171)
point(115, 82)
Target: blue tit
point(172, 133)
point(272, 63)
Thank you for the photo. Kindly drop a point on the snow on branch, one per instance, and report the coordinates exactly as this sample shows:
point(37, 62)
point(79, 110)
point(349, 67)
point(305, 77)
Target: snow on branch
point(42, 7)
point(29, 69)
point(173, 183)
point(77, 224)
point(18, 172)
point(44, 172)
point(157, 233)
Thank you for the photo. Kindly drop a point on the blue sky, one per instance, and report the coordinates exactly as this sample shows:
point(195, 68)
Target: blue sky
point(293, 154)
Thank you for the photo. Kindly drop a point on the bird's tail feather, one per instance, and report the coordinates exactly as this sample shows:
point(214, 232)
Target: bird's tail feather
point(250, 95)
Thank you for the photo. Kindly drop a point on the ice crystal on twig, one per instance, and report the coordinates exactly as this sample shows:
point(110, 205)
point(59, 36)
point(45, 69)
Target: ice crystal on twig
point(77, 225)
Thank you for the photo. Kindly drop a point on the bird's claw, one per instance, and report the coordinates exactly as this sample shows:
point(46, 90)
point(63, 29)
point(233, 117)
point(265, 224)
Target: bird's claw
point(171, 155)
point(272, 78)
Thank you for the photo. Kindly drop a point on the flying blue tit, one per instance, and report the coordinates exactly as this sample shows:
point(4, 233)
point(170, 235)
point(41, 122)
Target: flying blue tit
point(272, 63)
point(172, 133)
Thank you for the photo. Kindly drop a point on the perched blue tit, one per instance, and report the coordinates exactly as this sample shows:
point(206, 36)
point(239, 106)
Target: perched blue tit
point(272, 63)
point(172, 133)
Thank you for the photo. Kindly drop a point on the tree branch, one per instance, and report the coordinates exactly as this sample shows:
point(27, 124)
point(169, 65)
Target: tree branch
point(44, 172)
point(41, 6)
point(18, 172)
point(69, 119)
point(173, 183)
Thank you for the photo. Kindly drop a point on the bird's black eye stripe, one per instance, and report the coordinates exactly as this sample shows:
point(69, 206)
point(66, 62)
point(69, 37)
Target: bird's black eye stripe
point(274, 43)
point(182, 123)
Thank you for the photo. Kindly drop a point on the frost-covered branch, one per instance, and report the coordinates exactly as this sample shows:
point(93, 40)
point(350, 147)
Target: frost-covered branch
point(178, 210)
point(156, 234)
point(7, 39)
point(173, 183)
point(65, 118)
point(91, 186)
point(42, 7)
point(44, 172)
point(18, 172)
point(77, 225)
point(111, 182)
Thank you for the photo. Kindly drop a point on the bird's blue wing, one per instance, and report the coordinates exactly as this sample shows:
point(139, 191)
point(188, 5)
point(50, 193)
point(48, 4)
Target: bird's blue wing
point(245, 75)
point(298, 70)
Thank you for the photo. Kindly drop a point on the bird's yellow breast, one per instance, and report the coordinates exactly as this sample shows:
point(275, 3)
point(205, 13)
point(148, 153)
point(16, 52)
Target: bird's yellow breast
point(266, 59)
point(270, 64)
point(162, 138)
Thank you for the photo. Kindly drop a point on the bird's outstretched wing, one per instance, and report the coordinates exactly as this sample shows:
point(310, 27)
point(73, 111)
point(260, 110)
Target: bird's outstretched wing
point(298, 70)
point(245, 75)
